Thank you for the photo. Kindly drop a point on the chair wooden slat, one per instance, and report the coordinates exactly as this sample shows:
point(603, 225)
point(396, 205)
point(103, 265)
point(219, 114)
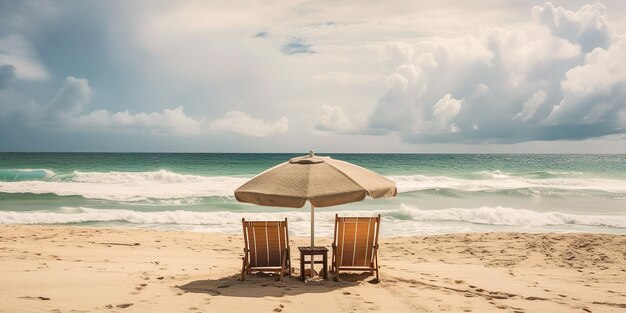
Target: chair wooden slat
point(355, 244)
point(266, 246)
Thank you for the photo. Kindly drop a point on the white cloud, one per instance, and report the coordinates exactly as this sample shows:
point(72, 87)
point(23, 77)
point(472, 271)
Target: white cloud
point(71, 98)
point(236, 122)
point(595, 92)
point(333, 118)
point(563, 79)
point(66, 108)
point(587, 27)
point(75, 94)
point(531, 106)
point(172, 122)
point(444, 110)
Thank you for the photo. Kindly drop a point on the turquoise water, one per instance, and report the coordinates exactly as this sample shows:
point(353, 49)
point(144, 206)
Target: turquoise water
point(438, 193)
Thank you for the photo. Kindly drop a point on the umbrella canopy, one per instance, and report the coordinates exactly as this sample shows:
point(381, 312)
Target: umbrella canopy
point(322, 181)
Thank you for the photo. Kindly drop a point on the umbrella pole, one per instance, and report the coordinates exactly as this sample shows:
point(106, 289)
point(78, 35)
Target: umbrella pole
point(312, 235)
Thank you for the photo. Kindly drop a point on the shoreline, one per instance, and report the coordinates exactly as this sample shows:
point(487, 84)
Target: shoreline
point(95, 269)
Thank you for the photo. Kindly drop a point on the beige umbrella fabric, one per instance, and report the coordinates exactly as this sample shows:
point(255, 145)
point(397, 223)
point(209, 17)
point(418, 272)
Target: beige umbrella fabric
point(322, 181)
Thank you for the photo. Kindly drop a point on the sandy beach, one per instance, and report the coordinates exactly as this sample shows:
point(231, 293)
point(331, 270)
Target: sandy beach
point(83, 269)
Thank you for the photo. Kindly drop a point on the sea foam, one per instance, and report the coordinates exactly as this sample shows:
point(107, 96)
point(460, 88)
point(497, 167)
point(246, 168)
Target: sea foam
point(129, 186)
point(403, 221)
point(501, 181)
point(163, 184)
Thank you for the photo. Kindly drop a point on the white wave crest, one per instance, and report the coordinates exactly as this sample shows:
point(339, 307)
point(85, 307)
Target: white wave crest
point(221, 221)
point(130, 186)
point(163, 184)
point(421, 182)
point(405, 221)
point(504, 216)
point(497, 174)
point(564, 173)
point(160, 176)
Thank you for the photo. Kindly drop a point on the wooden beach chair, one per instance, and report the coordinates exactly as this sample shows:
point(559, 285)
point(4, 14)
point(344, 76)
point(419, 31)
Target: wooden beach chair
point(266, 247)
point(355, 245)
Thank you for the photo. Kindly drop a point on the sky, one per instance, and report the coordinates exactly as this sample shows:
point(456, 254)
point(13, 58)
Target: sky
point(290, 75)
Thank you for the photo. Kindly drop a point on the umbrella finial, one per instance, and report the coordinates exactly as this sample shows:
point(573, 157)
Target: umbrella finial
point(311, 153)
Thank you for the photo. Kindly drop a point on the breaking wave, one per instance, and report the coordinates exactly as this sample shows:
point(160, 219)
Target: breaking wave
point(403, 221)
point(505, 182)
point(163, 184)
point(128, 186)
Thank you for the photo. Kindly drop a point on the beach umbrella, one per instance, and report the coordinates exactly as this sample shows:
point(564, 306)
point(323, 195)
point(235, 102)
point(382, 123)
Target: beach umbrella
point(322, 181)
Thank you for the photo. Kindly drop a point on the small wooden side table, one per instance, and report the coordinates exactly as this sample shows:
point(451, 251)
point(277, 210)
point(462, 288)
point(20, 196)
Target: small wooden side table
point(312, 252)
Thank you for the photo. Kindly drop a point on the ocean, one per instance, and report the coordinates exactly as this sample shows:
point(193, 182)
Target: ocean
point(438, 193)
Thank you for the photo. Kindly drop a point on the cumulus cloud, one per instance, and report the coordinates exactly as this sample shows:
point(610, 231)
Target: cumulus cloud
point(444, 110)
point(565, 79)
point(333, 119)
point(68, 110)
point(65, 110)
point(595, 92)
point(531, 106)
point(71, 98)
point(237, 122)
point(587, 27)
point(168, 122)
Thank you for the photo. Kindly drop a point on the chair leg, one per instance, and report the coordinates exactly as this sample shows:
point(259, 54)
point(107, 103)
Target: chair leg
point(243, 269)
point(377, 278)
point(289, 264)
point(282, 267)
point(336, 271)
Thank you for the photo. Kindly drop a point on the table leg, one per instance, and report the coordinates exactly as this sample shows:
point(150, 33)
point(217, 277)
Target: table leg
point(302, 266)
point(325, 266)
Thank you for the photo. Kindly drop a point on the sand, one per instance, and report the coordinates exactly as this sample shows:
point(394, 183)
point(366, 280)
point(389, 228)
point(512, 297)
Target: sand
point(83, 269)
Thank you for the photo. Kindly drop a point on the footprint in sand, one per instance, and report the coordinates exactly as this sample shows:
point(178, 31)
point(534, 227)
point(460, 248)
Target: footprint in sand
point(123, 305)
point(33, 298)
point(141, 287)
point(279, 308)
